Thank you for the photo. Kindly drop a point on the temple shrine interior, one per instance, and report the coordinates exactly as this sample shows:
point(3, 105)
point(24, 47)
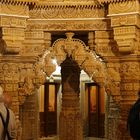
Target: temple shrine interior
point(72, 67)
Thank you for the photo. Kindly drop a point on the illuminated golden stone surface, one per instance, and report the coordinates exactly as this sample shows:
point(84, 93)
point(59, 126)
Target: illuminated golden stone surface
point(33, 32)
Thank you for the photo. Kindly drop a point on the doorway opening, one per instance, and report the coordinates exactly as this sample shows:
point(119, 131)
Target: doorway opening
point(96, 110)
point(92, 104)
point(48, 109)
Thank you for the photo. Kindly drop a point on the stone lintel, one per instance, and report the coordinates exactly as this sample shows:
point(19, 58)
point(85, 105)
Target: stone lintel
point(70, 24)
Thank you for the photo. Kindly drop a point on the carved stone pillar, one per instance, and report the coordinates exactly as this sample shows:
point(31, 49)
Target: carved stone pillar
point(106, 47)
point(9, 81)
point(130, 85)
point(70, 116)
point(29, 116)
point(125, 24)
point(113, 132)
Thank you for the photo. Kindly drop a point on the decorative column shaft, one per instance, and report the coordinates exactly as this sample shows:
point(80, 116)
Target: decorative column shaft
point(70, 118)
point(126, 34)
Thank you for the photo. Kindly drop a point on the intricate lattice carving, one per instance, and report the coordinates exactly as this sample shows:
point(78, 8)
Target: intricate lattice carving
point(113, 120)
point(13, 21)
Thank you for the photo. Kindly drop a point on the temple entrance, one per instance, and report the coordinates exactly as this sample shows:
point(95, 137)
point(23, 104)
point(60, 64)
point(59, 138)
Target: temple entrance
point(48, 109)
point(96, 110)
point(71, 115)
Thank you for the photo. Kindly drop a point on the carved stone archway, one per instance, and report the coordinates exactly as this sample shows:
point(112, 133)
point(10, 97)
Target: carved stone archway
point(25, 32)
point(78, 51)
point(72, 55)
point(82, 55)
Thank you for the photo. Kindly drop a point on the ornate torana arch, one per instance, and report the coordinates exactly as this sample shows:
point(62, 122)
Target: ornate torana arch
point(78, 51)
point(85, 58)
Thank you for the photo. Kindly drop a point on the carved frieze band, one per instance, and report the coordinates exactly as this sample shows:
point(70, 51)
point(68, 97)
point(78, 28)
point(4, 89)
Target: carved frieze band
point(66, 12)
point(63, 25)
point(10, 21)
point(124, 20)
